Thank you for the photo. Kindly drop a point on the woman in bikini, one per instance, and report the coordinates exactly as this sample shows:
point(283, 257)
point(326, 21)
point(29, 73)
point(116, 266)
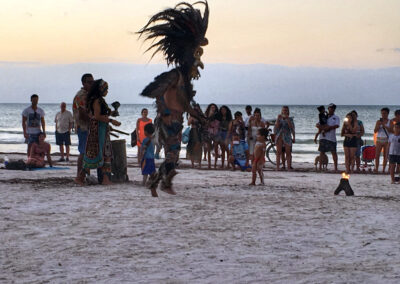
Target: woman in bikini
point(382, 128)
point(140, 124)
point(349, 132)
point(38, 152)
point(255, 124)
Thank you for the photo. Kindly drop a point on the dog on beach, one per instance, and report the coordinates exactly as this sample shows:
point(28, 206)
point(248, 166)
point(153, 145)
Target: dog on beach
point(323, 162)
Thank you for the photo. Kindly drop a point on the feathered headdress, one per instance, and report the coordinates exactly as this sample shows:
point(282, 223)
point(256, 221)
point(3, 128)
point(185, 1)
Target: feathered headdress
point(178, 33)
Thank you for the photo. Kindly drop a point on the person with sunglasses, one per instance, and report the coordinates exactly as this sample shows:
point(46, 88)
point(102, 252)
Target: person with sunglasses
point(33, 122)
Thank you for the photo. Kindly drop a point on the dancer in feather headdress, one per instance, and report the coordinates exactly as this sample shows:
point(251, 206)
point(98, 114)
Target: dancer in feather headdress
point(178, 33)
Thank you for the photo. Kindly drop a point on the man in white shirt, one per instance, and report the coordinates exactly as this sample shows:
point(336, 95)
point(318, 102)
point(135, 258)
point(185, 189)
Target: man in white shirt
point(63, 122)
point(33, 122)
point(327, 142)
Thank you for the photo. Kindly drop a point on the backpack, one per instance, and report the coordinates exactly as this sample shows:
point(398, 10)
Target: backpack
point(16, 165)
point(133, 138)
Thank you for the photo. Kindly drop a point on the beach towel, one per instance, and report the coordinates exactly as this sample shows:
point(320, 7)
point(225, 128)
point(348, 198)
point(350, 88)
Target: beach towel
point(50, 168)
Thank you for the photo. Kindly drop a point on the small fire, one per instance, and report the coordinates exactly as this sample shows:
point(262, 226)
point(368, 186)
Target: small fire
point(345, 176)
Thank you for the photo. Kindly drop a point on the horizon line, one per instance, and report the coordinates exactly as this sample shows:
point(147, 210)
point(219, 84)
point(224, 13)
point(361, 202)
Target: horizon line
point(44, 64)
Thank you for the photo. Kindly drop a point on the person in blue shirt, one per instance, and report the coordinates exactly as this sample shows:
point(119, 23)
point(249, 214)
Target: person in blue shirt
point(239, 153)
point(146, 156)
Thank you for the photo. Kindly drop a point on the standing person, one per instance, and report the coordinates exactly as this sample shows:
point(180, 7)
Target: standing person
point(210, 137)
point(394, 151)
point(98, 153)
point(147, 156)
point(64, 123)
point(247, 119)
point(328, 143)
point(140, 124)
point(38, 152)
point(285, 136)
point(382, 128)
point(393, 122)
point(81, 118)
point(237, 126)
point(360, 133)
point(224, 117)
point(33, 122)
point(259, 156)
point(254, 125)
point(194, 146)
point(349, 132)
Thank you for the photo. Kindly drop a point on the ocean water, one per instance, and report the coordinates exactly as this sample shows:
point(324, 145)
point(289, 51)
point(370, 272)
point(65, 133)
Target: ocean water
point(305, 118)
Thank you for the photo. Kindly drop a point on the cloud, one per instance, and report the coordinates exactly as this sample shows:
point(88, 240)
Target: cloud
point(395, 49)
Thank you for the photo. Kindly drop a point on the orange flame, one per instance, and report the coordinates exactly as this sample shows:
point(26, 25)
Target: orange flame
point(345, 176)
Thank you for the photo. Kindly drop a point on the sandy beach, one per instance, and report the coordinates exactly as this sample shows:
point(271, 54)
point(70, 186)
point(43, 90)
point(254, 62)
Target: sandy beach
point(216, 230)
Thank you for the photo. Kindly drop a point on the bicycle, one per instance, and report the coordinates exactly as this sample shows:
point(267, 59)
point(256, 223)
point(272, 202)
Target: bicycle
point(270, 152)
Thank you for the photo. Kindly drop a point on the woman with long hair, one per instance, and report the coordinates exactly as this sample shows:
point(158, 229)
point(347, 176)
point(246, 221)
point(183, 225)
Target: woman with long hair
point(211, 132)
point(349, 132)
point(382, 130)
point(254, 125)
point(140, 124)
point(194, 146)
point(224, 117)
point(98, 153)
point(285, 137)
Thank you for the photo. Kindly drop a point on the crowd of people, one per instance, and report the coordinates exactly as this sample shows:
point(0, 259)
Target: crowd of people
point(234, 141)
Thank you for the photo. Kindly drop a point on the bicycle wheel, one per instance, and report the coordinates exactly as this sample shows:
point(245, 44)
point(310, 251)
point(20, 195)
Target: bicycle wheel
point(271, 154)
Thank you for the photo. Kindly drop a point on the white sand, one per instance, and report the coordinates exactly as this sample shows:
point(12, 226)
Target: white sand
point(216, 230)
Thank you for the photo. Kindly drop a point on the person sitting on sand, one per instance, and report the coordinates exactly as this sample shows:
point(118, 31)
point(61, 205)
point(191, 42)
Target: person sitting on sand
point(37, 153)
point(394, 151)
point(259, 156)
point(146, 156)
point(238, 153)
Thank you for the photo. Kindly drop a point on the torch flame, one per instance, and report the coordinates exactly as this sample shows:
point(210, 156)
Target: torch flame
point(345, 176)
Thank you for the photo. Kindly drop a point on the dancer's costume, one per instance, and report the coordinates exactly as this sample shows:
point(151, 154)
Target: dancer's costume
point(179, 34)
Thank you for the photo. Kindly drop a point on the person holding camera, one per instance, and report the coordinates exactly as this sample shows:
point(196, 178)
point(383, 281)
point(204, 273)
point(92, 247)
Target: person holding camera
point(350, 143)
point(285, 137)
point(382, 130)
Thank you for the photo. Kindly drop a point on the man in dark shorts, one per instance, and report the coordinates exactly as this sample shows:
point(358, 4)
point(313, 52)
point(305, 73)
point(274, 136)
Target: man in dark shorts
point(327, 142)
point(64, 123)
point(82, 119)
point(33, 122)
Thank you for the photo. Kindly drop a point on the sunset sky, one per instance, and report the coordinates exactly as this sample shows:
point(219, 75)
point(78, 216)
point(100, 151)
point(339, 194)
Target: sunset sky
point(319, 33)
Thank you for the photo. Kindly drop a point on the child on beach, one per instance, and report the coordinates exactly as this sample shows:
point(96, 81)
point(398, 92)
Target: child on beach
point(38, 152)
point(394, 151)
point(259, 156)
point(238, 153)
point(323, 121)
point(146, 156)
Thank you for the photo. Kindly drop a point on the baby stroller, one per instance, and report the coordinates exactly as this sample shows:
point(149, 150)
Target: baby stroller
point(368, 157)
